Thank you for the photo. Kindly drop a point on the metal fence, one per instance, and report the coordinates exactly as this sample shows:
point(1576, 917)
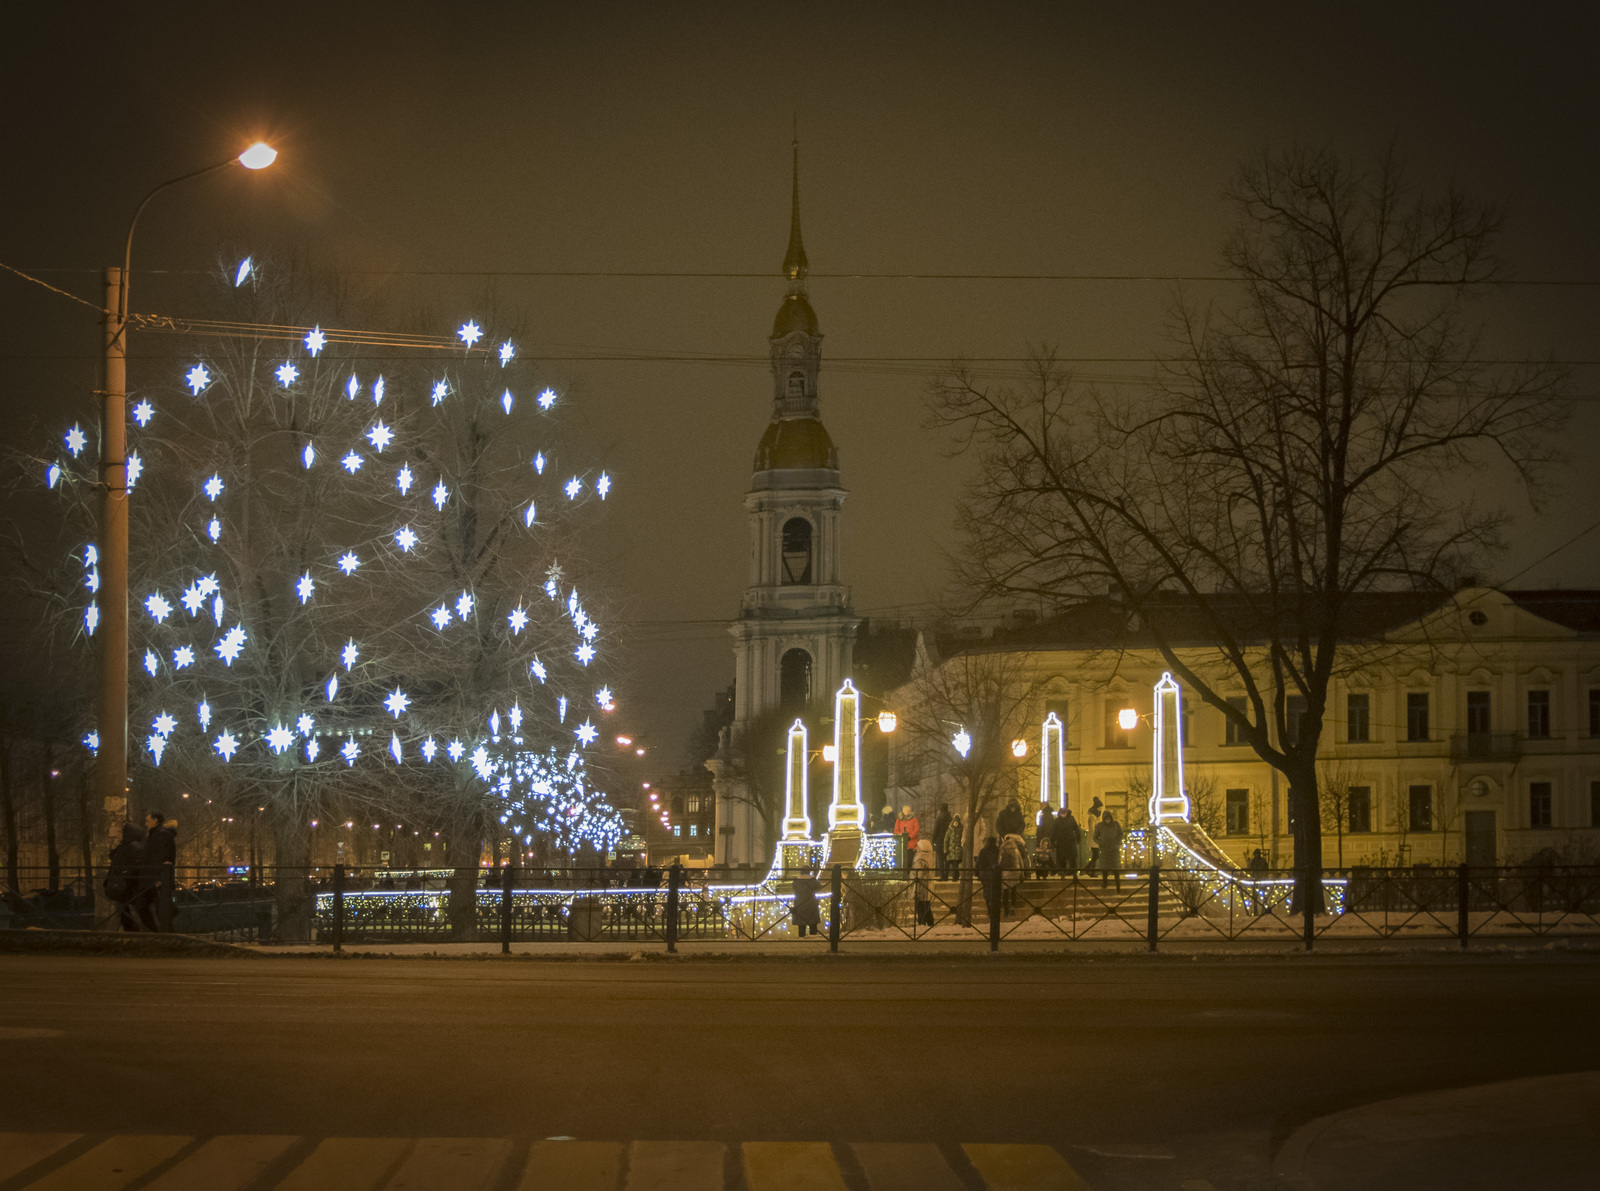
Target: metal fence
point(1141, 908)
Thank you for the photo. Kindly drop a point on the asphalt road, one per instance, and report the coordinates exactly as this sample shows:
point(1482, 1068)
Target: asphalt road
point(1119, 1061)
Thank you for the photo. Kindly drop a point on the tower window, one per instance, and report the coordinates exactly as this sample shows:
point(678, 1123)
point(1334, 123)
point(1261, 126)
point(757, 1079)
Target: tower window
point(797, 384)
point(794, 680)
point(797, 550)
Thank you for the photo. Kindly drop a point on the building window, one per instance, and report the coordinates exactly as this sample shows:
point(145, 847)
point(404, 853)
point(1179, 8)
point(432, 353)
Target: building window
point(677, 829)
point(693, 830)
point(797, 384)
point(1231, 732)
point(1421, 808)
point(1594, 712)
point(1538, 715)
point(1417, 715)
point(1539, 804)
point(1060, 708)
point(694, 805)
point(1358, 718)
point(1477, 713)
point(1116, 738)
point(1294, 711)
point(1238, 803)
point(797, 550)
point(794, 680)
point(1359, 803)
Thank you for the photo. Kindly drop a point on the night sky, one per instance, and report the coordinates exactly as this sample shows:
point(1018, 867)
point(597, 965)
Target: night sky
point(441, 152)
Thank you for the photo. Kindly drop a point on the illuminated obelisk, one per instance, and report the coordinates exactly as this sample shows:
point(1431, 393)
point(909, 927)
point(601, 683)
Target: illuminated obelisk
point(1168, 802)
point(844, 813)
point(797, 822)
point(1052, 764)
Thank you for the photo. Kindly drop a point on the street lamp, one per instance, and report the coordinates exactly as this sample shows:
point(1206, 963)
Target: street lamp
point(111, 769)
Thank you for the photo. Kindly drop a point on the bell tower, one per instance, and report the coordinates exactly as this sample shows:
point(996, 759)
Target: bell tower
point(793, 636)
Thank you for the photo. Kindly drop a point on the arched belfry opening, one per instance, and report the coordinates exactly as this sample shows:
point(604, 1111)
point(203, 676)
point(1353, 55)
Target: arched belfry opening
point(794, 680)
point(797, 550)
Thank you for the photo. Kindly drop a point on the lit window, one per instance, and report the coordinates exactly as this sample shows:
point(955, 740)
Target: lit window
point(693, 830)
point(694, 805)
point(677, 829)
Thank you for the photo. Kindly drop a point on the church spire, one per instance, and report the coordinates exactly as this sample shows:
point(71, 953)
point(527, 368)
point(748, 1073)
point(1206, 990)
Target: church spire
point(795, 266)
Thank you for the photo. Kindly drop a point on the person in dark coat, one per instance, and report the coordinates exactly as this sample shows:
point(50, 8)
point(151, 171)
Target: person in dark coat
point(122, 877)
point(157, 860)
point(988, 866)
point(806, 915)
point(1109, 836)
point(941, 826)
point(1045, 834)
point(1064, 835)
point(1009, 821)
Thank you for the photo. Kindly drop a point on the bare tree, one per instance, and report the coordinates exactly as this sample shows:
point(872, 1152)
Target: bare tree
point(1300, 451)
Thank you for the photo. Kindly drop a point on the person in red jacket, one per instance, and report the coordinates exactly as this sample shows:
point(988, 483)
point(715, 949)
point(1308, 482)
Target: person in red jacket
point(907, 826)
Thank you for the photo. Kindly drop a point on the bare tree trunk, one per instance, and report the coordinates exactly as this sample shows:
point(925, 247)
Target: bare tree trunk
point(1307, 844)
point(85, 830)
point(466, 848)
point(8, 814)
point(293, 897)
point(47, 796)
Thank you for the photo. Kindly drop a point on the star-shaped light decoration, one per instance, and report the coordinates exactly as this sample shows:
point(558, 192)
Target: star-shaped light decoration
point(242, 274)
point(380, 436)
point(573, 487)
point(304, 724)
point(518, 619)
point(561, 709)
point(538, 463)
point(287, 374)
point(151, 663)
point(377, 391)
point(304, 586)
point(603, 485)
point(312, 749)
point(480, 762)
point(589, 631)
point(349, 654)
point(164, 724)
point(76, 441)
point(231, 644)
point(603, 696)
point(440, 391)
point(90, 555)
point(403, 479)
point(213, 487)
point(351, 463)
point(214, 529)
point(332, 689)
point(197, 378)
point(52, 475)
point(463, 604)
point(157, 607)
point(207, 585)
point(505, 401)
point(92, 580)
point(547, 399)
point(515, 716)
point(572, 603)
point(494, 723)
point(395, 750)
point(470, 333)
point(157, 745)
point(279, 738)
point(586, 733)
point(353, 388)
point(530, 514)
point(348, 562)
point(91, 619)
point(203, 714)
point(143, 412)
point(226, 745)
point(440, 617)
point(316, 340)
point(309, 455)
point(216, 608)
point(92, 742)
point(135, 468)
point(584, 653)
point(429, 750)
point(454, 750)
point(506, 352)
point(396, 702)
point(440, 495)
point(536, 668)
point(405, 539)
point(182, 657)
point(350, 751)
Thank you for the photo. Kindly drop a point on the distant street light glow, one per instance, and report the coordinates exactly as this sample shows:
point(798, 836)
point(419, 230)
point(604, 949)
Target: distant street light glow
point(258, 156)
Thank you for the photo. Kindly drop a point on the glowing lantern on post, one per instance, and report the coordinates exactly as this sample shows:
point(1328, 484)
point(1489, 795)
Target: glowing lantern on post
point(887, 721)
point(1127, 719)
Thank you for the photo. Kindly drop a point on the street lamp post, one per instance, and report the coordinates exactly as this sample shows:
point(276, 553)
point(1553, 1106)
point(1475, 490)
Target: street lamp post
point(111, 767)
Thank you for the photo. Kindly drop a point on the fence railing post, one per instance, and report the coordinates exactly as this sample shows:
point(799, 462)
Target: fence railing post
point(1152, 925)
point(338, 908)
point(996, 909)
point(674, 883)
point(505, 910)
point(1463, 899)
point(835, 902)
point(1310, 891)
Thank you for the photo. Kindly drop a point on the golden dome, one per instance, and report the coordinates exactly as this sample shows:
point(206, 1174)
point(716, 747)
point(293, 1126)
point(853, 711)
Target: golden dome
point(796, 444)
point(794, 315)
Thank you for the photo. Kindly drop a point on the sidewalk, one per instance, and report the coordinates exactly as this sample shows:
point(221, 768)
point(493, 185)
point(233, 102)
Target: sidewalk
point(1542, 1132)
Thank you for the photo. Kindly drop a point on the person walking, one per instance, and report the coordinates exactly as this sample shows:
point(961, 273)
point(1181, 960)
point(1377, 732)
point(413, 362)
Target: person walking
point(804, 911)
point(1064, 835)
point(988, 866)
point(941, 827)
point(922, 871)
point(1014, 866)
point(1009, 821)
point(122, 876)
point(1258, 874)
point(1109, 838)
point(157, 859)
point(1092, 820)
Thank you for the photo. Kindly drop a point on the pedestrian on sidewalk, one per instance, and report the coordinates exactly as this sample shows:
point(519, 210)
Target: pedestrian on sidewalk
point(1042, 835)
point(122, 876)
point(1064, 835)
point(1014, 865)
point(1044, 855)
point(941, 828)
point(1109, 838)
point(922, 871)
point(988, 866)
point(1009, 821)
point(952, 849)
point(908, 826)
point(1092, 822)
point(804, 911)
point(1258, 874)
point(157, 860)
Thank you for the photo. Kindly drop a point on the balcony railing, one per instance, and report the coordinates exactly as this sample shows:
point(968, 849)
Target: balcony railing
point(1484, 746)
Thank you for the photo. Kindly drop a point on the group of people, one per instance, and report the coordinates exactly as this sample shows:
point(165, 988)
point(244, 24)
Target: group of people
point(139, 879)
point(1060, 844)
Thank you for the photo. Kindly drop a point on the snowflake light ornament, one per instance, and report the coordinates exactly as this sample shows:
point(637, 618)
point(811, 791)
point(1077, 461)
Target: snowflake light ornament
point(603, 696)
point(518, 619)
point(92, 580)
point(151, 663)
point(164, 724)
point(91, 619)
point(316, 340)
point(158, 607)
point(405, 539)
point(395, 750)
point(586, 733)
point(157, 745)
point(505, 401)
point(203, 714)
point(309, 455)
point(440, 495)
point(470, 333)
point(279, 738)
point(207, 585)
point(350, 751)
point(92, 742)
point(547, 399)
point(135, 468)
point(226, 745)
point(287, 374)
point(348, 562)
point(440, 617)
point(182, 657)
point(349, 654)
point(212, 487)
point(197, 378)
point(214, 529)
point(403, 479)
point(481, 763)
point(440, 391)
point(312, 749)
point(377, 391)
point(455, 749)
point(573, 487)
point(142, 413)
point(380, 436)
point(463, 604)
point(231, 644)
point(351, 463)
point(216, 608)
point(429, 750)
point(353, 388)
point(396, 702)
point(76, 441)
point(304, 586)
point(506, 352)
point(515, 716)
point(536, 668)
point(304, 724)
point(584, 653)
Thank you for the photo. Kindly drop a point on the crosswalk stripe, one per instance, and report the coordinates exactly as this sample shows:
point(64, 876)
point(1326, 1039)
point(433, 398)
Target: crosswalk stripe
point(675, 1166)
point(346, 1164)
point(18, 1151)
point(791, 1166)
point(112, 1164)
point(905, 1166)
point(459, 1163)
point(225, 1163)
point(1024, 1168)
point(572, 1166)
